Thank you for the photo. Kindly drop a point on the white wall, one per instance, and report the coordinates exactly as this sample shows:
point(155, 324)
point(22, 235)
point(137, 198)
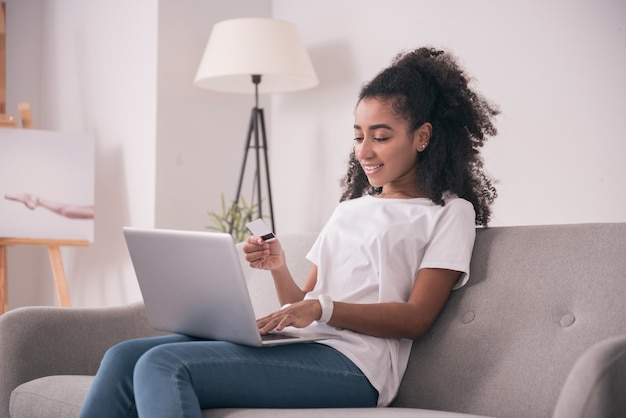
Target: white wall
point(92, 67)
point(200, 134)
point(89, 67)
point(166, 150)
point(556, 68)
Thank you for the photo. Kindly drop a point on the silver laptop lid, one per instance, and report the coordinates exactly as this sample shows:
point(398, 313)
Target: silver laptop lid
point(192, 284)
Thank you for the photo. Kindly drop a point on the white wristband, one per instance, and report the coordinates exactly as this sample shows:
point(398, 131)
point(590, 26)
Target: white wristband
point(327, 308)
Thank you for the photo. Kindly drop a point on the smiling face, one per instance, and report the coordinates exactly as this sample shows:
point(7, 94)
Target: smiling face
point(385, 148)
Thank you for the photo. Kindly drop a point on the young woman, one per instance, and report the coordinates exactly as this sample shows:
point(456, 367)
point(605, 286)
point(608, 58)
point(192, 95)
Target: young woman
point(384, 265)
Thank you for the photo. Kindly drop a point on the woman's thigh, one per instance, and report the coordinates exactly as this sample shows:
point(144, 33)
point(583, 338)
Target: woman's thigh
point(222, 374)
point(112, 391)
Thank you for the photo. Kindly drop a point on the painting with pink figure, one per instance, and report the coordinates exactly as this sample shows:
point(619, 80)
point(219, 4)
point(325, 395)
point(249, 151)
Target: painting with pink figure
point(46, 185)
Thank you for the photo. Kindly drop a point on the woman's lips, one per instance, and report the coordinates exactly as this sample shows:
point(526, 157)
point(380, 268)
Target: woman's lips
point(371, 168)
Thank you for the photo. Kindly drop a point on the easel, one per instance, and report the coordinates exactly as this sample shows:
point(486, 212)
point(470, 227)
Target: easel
point(54, 253)
point(54, 245)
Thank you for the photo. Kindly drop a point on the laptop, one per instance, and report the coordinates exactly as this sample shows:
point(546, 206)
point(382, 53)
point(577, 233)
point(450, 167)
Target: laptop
point(192, 284)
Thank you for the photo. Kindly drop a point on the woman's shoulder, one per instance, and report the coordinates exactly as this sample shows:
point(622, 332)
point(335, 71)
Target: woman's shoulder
point(453, 199)
point(357, 201)
point(459, 207)
point(453, 203)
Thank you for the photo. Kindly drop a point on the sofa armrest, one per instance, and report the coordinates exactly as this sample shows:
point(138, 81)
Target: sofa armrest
point(43, 341)
point(596, 384)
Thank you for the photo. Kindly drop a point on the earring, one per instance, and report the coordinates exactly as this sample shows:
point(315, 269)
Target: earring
point(422, 147)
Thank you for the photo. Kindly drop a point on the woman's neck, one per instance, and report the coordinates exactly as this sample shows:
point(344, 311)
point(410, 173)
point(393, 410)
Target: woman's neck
point(400, 194)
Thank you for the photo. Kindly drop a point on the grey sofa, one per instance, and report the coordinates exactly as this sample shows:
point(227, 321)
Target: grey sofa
point(539, 331)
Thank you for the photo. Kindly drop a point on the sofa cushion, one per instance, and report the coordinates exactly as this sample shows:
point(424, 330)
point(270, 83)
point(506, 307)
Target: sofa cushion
point(62, 396)
point(50, 396)
point(343, 413)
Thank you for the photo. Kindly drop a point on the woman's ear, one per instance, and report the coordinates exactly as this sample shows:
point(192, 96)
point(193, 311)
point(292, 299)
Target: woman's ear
point(421, 136)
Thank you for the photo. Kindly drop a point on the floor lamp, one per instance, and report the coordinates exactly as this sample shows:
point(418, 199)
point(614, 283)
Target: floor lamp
point(255, 55)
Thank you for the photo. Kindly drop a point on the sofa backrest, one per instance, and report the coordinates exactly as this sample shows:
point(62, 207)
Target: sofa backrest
point(538, 297)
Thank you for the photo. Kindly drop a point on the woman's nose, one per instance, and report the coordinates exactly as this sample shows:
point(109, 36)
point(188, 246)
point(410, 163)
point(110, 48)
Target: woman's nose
point(364, 149)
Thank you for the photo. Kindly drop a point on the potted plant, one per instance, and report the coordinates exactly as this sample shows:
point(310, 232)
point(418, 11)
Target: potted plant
point(234, 218)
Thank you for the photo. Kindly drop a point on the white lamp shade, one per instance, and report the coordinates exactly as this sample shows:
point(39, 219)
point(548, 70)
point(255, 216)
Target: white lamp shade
point(239, 48)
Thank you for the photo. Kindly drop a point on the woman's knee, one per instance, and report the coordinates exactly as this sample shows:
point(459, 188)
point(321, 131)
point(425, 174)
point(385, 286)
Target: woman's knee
point(122, 355)
point(125, 354)
point(158, 362)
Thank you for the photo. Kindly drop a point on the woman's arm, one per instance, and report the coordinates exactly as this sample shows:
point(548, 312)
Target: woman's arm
point(392, 320)
point(270, 256)
point(400, 320)
point(286, 288)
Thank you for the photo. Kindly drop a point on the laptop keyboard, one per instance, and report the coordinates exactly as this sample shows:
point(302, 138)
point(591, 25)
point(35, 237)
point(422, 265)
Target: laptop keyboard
point(276, 336)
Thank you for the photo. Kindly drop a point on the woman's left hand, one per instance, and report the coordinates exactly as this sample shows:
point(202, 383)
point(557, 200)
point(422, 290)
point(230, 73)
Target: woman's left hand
point(300, 314)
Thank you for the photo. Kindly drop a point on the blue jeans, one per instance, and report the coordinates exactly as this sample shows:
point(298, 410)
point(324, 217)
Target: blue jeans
point(177, 376)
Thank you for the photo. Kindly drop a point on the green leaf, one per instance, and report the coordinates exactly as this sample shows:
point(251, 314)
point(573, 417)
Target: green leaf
point(238, 214)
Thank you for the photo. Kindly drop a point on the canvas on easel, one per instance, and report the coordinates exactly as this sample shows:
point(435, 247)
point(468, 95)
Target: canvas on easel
point(46, 197)
point(46, 184)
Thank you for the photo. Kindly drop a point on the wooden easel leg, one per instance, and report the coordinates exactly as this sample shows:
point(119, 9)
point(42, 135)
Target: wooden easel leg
point(59, 275)
point(27, 116)
point(4, 282)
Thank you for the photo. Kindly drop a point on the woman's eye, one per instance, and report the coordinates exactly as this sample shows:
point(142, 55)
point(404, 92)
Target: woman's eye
point(360, 139)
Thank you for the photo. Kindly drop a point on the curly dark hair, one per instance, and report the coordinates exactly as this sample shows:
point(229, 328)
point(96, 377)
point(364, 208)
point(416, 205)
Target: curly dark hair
point(427, 85)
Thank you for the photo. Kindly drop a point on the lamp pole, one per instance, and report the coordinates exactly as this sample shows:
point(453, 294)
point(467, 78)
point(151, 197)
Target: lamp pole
point(256, 130)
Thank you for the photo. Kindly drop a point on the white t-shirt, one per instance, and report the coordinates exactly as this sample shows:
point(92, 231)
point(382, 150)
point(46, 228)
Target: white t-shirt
point(370, 251)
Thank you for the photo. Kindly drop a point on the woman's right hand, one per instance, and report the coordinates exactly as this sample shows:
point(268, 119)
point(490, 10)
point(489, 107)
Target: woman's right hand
point(263, 255)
